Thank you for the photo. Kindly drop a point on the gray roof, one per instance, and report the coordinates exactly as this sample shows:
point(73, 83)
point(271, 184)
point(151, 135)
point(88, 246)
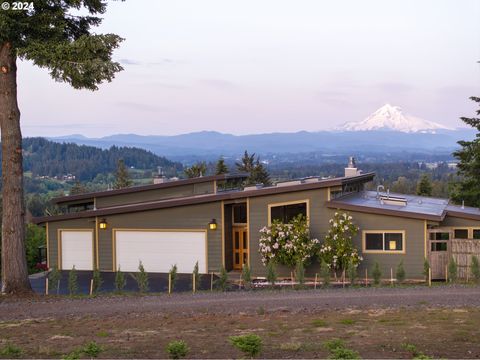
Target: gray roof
point(411, 206)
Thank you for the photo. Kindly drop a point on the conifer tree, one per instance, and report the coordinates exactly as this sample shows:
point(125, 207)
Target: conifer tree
point(78, 188)
point(468, 189)
point(49, 36)
point(221, 167)
point(196, 170)
point(122, 177)
point(424, 187)
point(253, 166)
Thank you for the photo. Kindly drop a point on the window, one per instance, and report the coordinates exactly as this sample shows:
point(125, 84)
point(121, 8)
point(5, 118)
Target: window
point(286, 212)
point(440, 236)
point(476, 233)
point(383, 241)
point(460, 234)
point(240, 213)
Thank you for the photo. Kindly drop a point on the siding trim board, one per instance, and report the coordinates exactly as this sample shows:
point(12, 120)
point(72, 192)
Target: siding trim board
point(47, 240)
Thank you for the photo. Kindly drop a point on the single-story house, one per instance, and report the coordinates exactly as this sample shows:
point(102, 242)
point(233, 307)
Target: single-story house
point(205, 219)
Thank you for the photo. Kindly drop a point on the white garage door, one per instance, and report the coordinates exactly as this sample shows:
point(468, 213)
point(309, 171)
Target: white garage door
point(77, 249)
point(159, 250)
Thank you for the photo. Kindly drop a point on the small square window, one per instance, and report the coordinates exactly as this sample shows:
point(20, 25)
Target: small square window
point(393, 241)
point(374, 241)
point(460, 233)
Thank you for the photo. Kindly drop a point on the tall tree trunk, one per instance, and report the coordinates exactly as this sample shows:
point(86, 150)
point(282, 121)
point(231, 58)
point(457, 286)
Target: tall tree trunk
point(14, 262)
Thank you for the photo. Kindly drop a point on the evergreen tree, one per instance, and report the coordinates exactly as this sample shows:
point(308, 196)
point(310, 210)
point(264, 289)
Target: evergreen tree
point(424, 187)
point(253, 166)
point(221, 167)
point(50, 37)
point(122, 177)
point(468, 189)
point(78, 188)
point(196, 170)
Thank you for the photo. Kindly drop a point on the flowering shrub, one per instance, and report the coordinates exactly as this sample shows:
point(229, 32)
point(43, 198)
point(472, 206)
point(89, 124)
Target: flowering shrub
point(338, 251)
point(287, 244)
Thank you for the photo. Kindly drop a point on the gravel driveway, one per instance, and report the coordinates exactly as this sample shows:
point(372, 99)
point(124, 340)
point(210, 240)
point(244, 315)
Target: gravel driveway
point(247, 302)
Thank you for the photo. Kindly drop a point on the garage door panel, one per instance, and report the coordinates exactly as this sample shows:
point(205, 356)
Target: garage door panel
point(77, 249)
point(159, 250)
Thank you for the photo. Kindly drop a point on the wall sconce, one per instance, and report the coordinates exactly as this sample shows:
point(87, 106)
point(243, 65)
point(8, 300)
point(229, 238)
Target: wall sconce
point(212, 224)
point(102, 224)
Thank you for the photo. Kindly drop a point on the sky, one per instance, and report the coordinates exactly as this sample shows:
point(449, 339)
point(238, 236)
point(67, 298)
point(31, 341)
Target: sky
point(250, 66)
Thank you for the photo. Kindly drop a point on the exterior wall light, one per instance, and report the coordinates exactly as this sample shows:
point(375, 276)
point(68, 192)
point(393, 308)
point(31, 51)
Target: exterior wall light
point(212, 224)
point(102, 224)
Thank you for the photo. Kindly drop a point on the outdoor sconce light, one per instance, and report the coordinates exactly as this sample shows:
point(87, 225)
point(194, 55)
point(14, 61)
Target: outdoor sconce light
point(102, 224)
point(213, 224)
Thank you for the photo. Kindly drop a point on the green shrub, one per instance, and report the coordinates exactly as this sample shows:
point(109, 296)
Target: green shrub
point(376, 273)
point(271, 273)
point(196, 275)
point(249, 344)
point(426, 268)
point(177, 349)
point(10, 351)
point(475, 266)
point(54, 279)
point(246, 277)
point(120, 280)
point(300, 275)
point(400, 273)
point(352, 272)
point(73, 355)
point(452, 270)
point(72, 281)
point(325, 273)
point(222, 281)
point(97, 281)
point(173, 275)
point(92, 349)
point(141, 277)
point(337, 350)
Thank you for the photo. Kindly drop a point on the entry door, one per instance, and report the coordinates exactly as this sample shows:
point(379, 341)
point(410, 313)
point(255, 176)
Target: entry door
point(240, 247)
point(438, 253)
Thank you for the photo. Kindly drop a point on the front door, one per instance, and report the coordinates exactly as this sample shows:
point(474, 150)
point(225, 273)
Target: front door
point(438, 253)
point(240, 247)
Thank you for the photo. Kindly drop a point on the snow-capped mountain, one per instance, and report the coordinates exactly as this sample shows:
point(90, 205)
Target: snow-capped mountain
point(392, 118)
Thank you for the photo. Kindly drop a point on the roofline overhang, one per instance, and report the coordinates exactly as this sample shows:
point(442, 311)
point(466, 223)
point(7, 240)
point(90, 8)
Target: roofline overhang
point(202, 199)
point(133, 189)
point(463, 215)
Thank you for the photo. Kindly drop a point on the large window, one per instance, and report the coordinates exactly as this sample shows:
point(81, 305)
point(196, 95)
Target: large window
point(286, 212)
point(460, 233)
point(240, 213)
point(384, 241)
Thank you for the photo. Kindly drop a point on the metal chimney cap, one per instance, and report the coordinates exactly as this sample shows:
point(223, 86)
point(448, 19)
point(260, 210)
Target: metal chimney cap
point(351, 162)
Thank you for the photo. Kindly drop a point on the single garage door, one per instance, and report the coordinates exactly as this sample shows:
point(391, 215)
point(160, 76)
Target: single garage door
point(159, 250)
point(76, 249)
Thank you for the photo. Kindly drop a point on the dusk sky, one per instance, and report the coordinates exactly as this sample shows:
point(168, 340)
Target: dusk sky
point(251, 66)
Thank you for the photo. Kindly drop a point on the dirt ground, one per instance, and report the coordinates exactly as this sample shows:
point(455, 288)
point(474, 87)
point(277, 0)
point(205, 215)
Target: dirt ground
point(440, 322)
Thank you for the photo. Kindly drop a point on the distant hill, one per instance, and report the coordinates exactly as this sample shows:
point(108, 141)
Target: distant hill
point(48, 158)
point(210, 144)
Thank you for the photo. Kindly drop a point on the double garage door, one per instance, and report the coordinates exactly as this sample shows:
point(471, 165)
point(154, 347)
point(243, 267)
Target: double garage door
point(157, 250)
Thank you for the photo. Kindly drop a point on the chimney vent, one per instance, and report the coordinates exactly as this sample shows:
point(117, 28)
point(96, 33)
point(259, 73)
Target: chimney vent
point(351, 169)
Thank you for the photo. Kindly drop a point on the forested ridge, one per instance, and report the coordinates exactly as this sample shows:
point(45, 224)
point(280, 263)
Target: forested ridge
point(47, 158)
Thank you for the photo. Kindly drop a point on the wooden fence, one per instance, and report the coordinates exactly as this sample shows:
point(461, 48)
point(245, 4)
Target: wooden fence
point(462, 251)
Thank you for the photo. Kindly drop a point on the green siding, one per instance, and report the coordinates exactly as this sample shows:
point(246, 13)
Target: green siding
point(458, 222)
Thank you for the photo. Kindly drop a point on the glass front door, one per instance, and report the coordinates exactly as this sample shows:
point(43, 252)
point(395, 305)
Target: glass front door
point(240, 247)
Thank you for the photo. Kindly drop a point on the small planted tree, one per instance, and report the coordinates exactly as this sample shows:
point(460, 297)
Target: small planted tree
point(72, 282)
point(271, 273)
point(177, 349)
point(325, 273)
point(452, 270)
point(250, 344)
point(475, 266)
point(222, 279)
point(338, 250)
point(141, 277)
point(173, 275)
point(376, 273)
point(352, 272)
point(246, 277)
point(400, 274)
point(97, 281)
point(426, 268)
point(54, 279)
point(120, 281)
point(196, 276)
point(300, 275)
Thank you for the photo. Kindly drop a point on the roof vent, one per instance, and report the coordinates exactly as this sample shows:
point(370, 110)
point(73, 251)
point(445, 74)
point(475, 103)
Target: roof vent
point(312, 179)
point(393, 200)
point(351, 169)
point(253, 187)
point(289, 183)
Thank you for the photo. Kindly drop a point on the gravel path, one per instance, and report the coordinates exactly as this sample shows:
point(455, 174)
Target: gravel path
point(235, 302)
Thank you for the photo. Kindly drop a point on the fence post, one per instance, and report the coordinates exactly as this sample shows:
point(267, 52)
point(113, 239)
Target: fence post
point(391, 276)
point(91, 287)
point(46, 285)
point(211, 281)
point(429, 276)
point(193, 283)
point(169, 283)
point(446, 273)
point(366, 277)
point(315, 283)
point(343, 278)
point(58, 287)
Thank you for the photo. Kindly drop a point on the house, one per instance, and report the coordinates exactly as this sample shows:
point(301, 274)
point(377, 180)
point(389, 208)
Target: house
point(208, 220)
